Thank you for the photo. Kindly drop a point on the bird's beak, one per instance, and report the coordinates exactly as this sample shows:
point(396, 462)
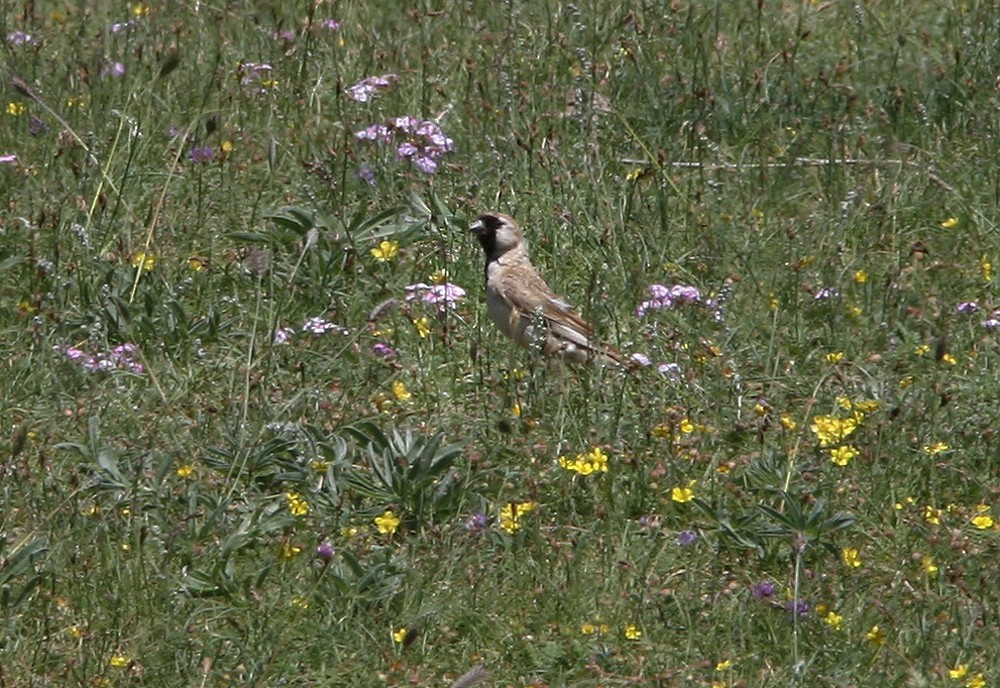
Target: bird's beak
point(477, 227)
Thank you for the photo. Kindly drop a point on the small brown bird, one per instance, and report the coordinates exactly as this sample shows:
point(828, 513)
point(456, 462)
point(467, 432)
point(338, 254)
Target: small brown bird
point(522, 304)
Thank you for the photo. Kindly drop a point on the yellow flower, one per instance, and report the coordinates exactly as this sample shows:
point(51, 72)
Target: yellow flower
point(76, 101)
point(227, 146)
point(140, 10)
point(300, 602)
point(515, 410)
point(423, 327)
point(986, 268)
point(950, 223)
point(16, 109)
point(932, 515)
point(683, 495)
point(387, 523)
point(661, 430)
point(867, 405)
point(399, 635)
point(949, 359)
point(319, 465)
point(120, 661)
point(289, 551)
point(930, 568)
point(185, 471)
point(196, 264)
point(851, 557)
point(976, 681)
point(385, 251)
point(400, 392)
point(296, 504)
point(634, 174)
point(787, 422)
point(835, 357)
point(832, 430)
point(723, 665)
point(594, 461)
point(958, 672)
point(439, 276)
point(860, 276)
point(876, 636)
point(632, 632)
point(935, 448)
point(834, 620)
point(983, 521)
point(843, 455)
point(687, 427)
point(510, 515)
point(75, 632)
point(144, 261)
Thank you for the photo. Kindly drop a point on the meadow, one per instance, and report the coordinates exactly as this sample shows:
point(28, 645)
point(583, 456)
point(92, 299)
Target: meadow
point(259, 430)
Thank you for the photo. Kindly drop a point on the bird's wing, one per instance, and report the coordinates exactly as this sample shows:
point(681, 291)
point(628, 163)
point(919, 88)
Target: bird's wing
point(529, 295)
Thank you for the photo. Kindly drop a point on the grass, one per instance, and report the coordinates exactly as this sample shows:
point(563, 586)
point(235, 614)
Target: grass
point(244, 495)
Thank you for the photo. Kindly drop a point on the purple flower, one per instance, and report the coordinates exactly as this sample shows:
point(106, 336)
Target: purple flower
point(36, 125)
point(282, 335)
point(368, 88)
point(113, 69)
point(19, 38)
point(383, 350)
point(668, 297)
point(763, 590)
point(406, 150)
point(120, 26)
point(797, 607)
point(366, 175)
point(288, 35)
point(640, 359)
point(10, 159)
point(993, 322)
point(477, 523)
point(251, 71)
point(825, 293)
point(669, 369)
point(119, 358)
point(425, 164)
point(686, 538)
point(200, 155)
point(324, 551)
point(444, 295)
point(318, 325)
point(330, 25)
point(376, 132)
point(967, 307)
point(423, 141)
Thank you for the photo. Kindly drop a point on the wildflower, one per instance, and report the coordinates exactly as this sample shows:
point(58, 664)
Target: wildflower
point(400, 392)
point(144, 261)
point(831, 429)
point(200, 155)
point(686, 538)
point(19, 38)
point(423, 327)
point(10, 159)
point(825, 293)
point(842, 455)
point(763, 590)
point(958, 672)
point(120, 661)
point(834, 620)
point(867, 405)
point(387, 523)
point(976, 681)
point(368, 88)
point(510, 515)
point(967, 307)
point(668, 297)
point(641, 359)
point(851, 557)
point(399, 635)
point(515, 410)
point(787, 422)
point(422, 142)
point(982, 521)
point(282, 334)
point(683, 495)
point(949, 359)
point(113, 69)
point(140, 10)
point(318, 325)
point(950, 223)
point(594, 461)
point(383, 350)
point(723, 665)
point(196, 264)
point(632, 632)
point(324, 551)
point(184, 472)
point(330, 25)
point(250, 72)
point(797, 607)
point(930, 568)
point(287, 35)
point(860, 276)
point(300, 602)
point(986, 268)
point(289, 551)
point(444, 296)
point(16, 109)
point(875, 636)
point(476, 523)
point(921, 350)
point(932, 515)
point(835, 357)
point(366, 175)
point(936, 448)
point(385, 251)
point(296, 504)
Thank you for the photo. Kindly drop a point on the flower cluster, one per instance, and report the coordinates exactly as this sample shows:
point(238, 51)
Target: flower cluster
point(19, 38)
point(315, 325)
point(119, 358)
point(668, 297)
point(422, 142)
point(444, 295)
point(367, 89)
point(594, 461)
point(510, 515)
point(297, 504)
point(992, 322)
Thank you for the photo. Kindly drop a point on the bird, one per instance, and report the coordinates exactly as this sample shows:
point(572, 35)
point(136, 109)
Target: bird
point(523, 306)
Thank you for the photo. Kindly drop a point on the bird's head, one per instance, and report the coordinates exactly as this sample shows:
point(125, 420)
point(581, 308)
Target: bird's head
point(497, 233)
